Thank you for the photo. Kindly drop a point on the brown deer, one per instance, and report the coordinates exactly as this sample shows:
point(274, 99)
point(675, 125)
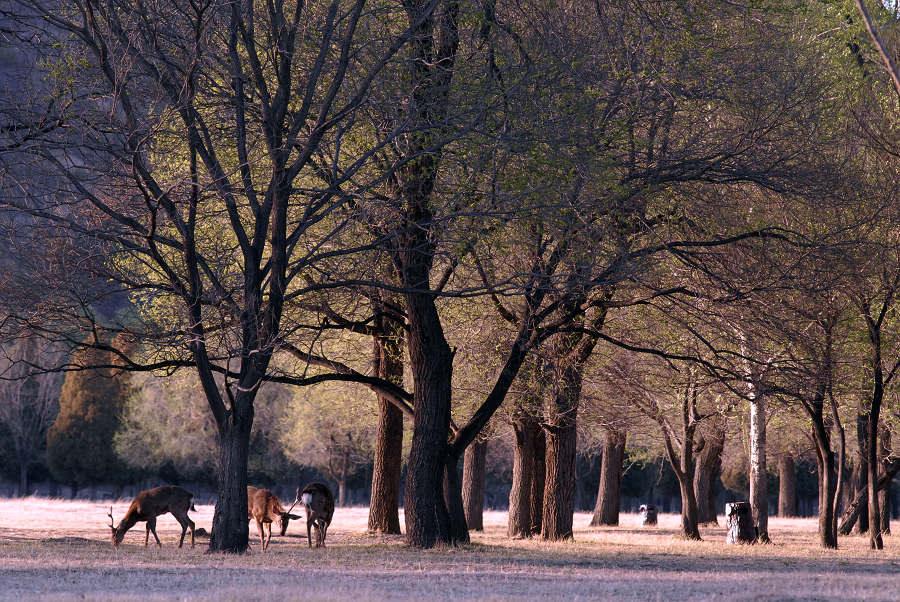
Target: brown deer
point(264, 506)
point(318, 503)
point(147, 505)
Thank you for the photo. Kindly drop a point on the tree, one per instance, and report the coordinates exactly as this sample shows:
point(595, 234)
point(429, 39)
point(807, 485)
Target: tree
point(201, 185)
point(29, 403)
point(331, 429)
point(80, 442)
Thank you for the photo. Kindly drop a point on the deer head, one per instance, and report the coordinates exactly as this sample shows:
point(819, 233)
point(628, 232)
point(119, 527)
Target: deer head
point(287, 517)
point(116, 538)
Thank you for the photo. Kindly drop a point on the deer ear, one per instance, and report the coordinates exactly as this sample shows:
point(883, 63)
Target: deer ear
point(292, 516)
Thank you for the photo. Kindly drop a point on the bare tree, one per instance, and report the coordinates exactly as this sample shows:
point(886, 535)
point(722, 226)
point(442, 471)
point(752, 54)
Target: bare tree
point(29, 401)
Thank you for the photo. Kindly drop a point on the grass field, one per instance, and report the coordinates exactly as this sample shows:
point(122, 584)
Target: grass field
point(53, 550)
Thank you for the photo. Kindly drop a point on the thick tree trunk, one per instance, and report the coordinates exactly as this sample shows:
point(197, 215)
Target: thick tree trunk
point(538, 478)
point(759, 494)
point(229, 526)
point(706, 472)
point(560, 415)
point(519, 519)
point(689, 526)
point(606, 512)
point(425, 512)
point(787, 486)
point(559, 487)
point(473, 484)
point(384, 515)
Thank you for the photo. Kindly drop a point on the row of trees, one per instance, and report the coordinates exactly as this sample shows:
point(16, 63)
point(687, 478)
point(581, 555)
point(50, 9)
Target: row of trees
point(671, 207)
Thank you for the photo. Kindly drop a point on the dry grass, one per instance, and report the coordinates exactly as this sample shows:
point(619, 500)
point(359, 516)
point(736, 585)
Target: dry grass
point(52, 549)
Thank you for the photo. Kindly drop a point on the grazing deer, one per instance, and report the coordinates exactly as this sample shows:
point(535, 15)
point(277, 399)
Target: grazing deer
point(147, 505)
point(264, 506)
point(318, 504)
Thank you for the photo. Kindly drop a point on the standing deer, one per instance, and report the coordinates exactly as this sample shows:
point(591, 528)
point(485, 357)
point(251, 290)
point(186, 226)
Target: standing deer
point(264, 506)
point(147, 505)
point(318, 504)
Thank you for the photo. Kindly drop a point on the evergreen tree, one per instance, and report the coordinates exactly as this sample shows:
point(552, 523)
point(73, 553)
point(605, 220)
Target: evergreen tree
point(80, 442)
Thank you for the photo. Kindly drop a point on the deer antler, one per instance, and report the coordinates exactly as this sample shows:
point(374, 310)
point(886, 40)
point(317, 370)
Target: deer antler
point(111, 522)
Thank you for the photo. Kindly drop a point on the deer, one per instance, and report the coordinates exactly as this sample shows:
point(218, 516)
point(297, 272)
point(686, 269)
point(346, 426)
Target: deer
point(318, 504)
point(149, 504)
point(265, 508)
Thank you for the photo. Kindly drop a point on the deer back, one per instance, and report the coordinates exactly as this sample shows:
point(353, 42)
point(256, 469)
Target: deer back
point(319, 501)
point(264, 506)
point(159, 500)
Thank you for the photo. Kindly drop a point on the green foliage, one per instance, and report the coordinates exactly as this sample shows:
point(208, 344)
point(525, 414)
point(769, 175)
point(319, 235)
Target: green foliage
point(80, 442)
point(329, 423)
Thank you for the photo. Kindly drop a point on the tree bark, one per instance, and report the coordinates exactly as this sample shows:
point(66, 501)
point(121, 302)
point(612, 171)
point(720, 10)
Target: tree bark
point(827, 486)
point(606, 512)
point(759, 494)
point(519, 519)
point(538, 479)
point(884, 495)
point(229, 527)
point(425, 512)
point(384, 514)
point(708, 466)
point(473, 484)
point(459, 530)
point(787, 486)
point(560, 415)
point(851, 514)
point(861, 471)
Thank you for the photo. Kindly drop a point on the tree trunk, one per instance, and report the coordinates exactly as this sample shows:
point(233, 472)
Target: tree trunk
point(384, 515)
point(706, 472)
point(860, 471)
point(689, 527)
point(538, 478)
point(23, 478)
point(827, 486)
point(884, 495)
point(229, 526)
point(787, 486)
point(473, 484)
point(342, 490)
point(425, 512)
point(560, 414)
point(559, 487)
point(851, 514)
point(459, 530)
point(606, 512)
point(759, 495)
point(519, 518)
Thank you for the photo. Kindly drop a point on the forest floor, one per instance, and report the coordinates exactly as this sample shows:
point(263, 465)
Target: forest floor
point(57, 550)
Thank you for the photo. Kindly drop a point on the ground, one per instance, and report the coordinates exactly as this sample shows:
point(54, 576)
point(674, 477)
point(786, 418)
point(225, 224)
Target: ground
point(54, 550)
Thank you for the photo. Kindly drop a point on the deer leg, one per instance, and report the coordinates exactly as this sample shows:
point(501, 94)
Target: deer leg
point(147, 534)
point(152, 524)
point(309, 525)
point(268, 527)
point(262, 539)
point(185, 522)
